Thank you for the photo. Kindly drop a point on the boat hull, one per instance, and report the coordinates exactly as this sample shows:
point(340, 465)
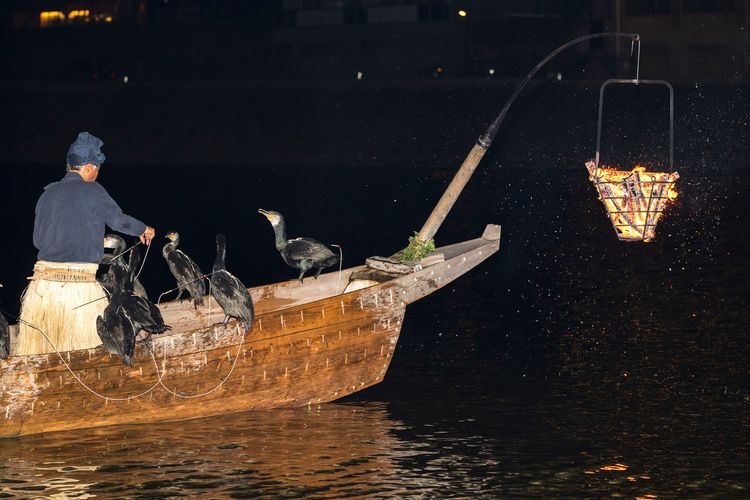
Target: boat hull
point(310, 343)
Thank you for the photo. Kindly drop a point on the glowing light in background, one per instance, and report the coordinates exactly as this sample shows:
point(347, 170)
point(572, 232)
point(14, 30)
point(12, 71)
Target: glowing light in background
point(74, 14)
point(74, 18)
point(51, 18)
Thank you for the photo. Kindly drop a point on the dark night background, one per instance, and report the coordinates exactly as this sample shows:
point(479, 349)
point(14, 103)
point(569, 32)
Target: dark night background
point(276, 83)
point(227, 89)
point(565, 353)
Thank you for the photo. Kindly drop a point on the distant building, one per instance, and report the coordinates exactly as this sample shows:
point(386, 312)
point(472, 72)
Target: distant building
point(421, 38)
point(683, 40)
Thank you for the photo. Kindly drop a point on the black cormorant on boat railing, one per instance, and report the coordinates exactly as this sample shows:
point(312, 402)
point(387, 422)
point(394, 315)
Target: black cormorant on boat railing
point(127, 313)
point(230, 293)
point(117, 244)
point(187, 273)
point(300, 253)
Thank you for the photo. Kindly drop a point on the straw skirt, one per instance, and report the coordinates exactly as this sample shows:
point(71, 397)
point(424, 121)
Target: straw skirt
point(59, 308)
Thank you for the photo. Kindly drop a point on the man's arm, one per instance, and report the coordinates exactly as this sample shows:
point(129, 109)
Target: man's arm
point(119, 221)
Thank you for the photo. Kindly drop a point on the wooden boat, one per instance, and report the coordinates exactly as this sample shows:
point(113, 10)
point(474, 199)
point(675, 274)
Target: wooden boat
point(311, 342)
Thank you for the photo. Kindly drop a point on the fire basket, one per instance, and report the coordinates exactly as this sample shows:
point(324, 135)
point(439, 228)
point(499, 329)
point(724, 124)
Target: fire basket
point(635, 200)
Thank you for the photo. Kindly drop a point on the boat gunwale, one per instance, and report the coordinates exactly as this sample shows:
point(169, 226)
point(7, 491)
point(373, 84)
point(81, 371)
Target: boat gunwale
point(451, 251)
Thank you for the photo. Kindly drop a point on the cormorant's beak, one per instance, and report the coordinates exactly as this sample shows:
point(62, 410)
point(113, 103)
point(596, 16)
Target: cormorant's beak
point(264, 212)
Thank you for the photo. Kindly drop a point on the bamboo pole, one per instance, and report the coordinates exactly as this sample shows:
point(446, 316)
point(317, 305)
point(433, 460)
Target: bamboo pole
point(452, 192)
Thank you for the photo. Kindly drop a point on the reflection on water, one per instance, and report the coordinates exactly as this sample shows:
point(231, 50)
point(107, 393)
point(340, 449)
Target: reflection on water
point(275, 453)
point(485, 445)
point(332, 450)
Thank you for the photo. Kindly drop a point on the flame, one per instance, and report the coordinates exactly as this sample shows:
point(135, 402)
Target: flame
point(635, 200)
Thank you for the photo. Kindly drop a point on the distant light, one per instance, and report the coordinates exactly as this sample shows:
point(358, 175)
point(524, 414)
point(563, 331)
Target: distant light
point(439, 69)
point(51, 18)
point(360, 75)
point(108, 19)
point(73, 14)
point(491, 71)
point(462, 13)
point(125, 79)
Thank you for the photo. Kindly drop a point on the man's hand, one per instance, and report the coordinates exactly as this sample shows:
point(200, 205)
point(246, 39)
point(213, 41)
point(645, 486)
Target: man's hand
point(148, 235)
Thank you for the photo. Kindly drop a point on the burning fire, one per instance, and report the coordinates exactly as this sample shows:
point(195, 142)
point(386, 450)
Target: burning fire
point(635, 200)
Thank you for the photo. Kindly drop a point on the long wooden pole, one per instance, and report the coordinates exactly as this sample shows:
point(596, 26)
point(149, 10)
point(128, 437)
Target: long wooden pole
point(452, 192)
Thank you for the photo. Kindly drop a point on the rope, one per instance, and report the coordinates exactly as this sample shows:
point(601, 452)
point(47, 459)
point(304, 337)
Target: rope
point(158, 301)
point(191, 396)
point(114, 257)
point(160, 378)
point(341, 263)
point(66, 276)
point(143, 262)
point(81, 305)
point(83, 384)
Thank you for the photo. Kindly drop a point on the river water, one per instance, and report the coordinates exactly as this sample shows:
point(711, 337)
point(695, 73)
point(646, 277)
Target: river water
point(570, 364)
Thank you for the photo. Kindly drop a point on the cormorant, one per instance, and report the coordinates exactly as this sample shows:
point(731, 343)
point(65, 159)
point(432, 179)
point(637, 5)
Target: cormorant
point(4, 336)
point(187, 273)
point(301, 253)
point(114, 326)
point(229, 291)
point(144, 313)
point(104, 275)
point(127, 314)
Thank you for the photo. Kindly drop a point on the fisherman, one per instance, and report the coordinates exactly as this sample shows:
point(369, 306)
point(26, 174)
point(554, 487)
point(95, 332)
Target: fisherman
point(63, 299)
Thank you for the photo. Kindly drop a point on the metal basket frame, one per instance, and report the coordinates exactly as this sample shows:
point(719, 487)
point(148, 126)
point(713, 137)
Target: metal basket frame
point(634, 186)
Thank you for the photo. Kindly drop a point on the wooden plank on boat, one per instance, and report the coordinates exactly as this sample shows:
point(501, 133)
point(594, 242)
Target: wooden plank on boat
point(431, 259)
point(373, 275)
point(390, 265)
point(492, 232)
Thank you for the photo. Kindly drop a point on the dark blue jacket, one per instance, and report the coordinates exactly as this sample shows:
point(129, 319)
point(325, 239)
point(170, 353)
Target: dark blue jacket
point(70, 221)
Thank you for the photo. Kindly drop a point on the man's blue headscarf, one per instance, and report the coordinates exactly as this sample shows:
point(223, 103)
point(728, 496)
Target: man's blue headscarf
point(85, 149)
